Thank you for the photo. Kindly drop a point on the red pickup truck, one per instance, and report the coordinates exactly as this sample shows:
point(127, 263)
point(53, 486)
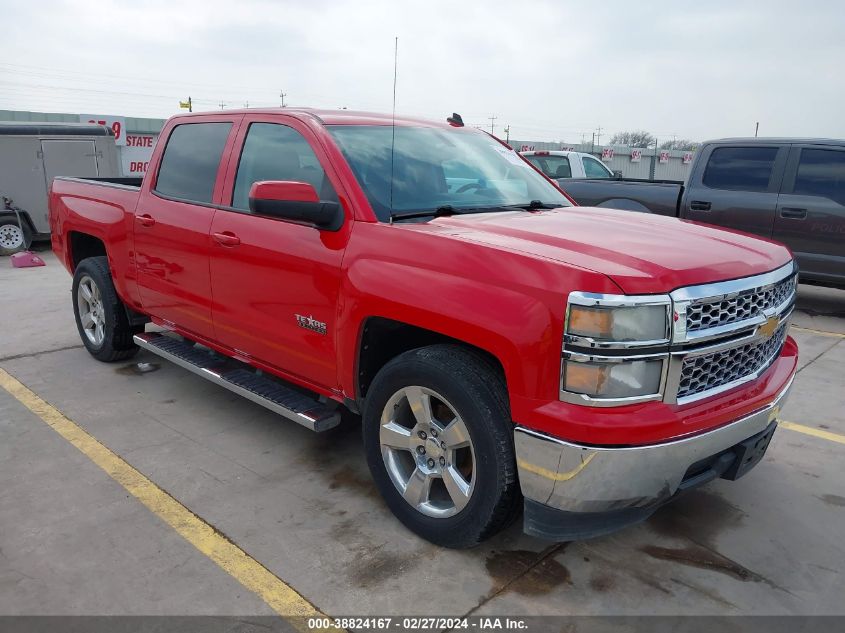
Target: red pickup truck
point(505, 348)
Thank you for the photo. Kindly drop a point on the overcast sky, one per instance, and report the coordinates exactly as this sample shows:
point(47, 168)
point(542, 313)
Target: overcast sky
point(551, 70)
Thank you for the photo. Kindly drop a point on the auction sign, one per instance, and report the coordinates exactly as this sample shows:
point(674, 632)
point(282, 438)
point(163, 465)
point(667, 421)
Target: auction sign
point(116, 123)
point(636, 155)
point(607, 154)
point(664, 157)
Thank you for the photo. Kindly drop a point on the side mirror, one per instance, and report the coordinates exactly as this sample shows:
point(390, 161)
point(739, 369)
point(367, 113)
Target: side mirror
point(617, 174)
point(296, 201)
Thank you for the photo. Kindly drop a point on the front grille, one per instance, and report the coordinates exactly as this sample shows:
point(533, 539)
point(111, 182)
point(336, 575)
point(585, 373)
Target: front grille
point(709, 371)
point(709, 313)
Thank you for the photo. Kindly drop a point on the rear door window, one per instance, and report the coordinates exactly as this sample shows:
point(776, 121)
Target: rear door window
point(821, 172)
point(740, 168)
point(191, 158)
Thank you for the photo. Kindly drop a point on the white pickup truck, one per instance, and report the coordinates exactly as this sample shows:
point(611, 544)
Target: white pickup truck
point(560, 164)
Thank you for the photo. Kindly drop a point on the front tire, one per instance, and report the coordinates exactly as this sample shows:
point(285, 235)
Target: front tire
point(439, 443)
point(100, 314)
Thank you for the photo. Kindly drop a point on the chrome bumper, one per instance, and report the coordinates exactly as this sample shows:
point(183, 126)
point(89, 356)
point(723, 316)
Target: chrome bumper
point(580, 479)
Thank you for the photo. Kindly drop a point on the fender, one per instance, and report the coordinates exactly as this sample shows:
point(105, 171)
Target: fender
point(109, 221)
point(508, 304)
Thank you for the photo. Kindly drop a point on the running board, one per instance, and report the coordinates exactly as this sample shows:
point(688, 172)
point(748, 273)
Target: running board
point(244, 381)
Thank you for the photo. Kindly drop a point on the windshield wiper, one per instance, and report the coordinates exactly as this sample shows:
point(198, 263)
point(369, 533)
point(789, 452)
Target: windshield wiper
point(446, 209)
point(534, 205)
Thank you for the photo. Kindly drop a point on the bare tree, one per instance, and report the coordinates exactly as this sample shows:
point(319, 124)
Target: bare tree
point(637, 138)
point(682, 144)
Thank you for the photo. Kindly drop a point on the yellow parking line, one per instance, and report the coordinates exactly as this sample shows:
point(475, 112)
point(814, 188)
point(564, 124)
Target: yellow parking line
point(821, 332)
point(241, 566)
point(809, 430)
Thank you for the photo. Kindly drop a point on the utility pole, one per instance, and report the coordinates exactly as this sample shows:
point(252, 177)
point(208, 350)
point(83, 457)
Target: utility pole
point(246, 105)
point(598, 135)
point(492, 122)
point(508, 134)
point(593, 144)
point(756, 129)
point(222, 104)
point(653, 167)
point(283, 95)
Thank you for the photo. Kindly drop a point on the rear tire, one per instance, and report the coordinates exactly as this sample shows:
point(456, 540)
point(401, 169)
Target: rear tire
point(439, 443)
point(100, 314)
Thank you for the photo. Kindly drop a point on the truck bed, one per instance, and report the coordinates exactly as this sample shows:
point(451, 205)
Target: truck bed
point(651, 196)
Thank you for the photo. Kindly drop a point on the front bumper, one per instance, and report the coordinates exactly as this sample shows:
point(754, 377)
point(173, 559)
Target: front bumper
point(574, 492)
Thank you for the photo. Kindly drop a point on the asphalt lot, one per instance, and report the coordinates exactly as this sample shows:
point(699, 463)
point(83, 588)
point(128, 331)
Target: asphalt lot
point(75, 541)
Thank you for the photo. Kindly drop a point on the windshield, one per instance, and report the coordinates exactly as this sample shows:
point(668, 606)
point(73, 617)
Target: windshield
point(433, 168)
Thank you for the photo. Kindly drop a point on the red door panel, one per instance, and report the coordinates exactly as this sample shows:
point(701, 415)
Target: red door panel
point(275, 283)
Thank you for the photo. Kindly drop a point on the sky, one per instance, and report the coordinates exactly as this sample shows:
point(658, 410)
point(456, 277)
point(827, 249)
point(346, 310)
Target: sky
point(549, 70)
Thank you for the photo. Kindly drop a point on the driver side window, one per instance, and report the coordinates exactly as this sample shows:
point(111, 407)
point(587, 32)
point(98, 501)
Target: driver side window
point(276, 152)
point(594, 169)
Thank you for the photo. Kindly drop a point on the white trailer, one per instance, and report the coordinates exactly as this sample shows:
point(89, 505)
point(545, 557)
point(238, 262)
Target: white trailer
point(31, 155)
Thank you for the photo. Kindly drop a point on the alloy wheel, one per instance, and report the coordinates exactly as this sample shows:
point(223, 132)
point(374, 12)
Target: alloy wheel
point(427, 451)
point(92, 315)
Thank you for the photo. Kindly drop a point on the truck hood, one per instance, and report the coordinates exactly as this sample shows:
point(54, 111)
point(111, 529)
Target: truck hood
point(640, 252)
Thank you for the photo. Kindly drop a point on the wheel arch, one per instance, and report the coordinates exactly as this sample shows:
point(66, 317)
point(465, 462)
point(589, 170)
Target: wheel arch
point(84, 245)
point(381, 339)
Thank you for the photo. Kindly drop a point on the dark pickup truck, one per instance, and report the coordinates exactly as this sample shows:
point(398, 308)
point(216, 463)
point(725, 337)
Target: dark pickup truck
point(787, 190)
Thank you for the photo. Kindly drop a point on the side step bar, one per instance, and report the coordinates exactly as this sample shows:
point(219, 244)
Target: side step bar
point(244, 381)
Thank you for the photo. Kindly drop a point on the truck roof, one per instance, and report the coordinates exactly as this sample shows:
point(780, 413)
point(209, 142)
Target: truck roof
point(60, 129)
point(778, 139)
point(335, 117)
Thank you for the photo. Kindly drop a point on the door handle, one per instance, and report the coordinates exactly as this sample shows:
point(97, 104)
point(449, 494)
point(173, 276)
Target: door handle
point(226, 238)
point(793, 212)
point(699, 205)
point(145, 219)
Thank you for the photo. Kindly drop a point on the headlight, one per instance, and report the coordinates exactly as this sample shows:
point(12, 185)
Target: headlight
point(619, 323)
point(616, 348)
point(625, 379)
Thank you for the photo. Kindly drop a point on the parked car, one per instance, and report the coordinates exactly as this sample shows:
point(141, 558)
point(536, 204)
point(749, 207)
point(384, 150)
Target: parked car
point(567, 165)
point(788, 190)
point(506, 350)
point(31, 155)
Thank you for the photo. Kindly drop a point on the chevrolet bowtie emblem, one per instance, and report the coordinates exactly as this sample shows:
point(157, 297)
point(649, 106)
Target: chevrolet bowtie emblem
point(768, 328)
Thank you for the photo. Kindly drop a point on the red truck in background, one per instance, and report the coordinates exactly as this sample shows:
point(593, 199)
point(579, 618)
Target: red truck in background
point(505, 348)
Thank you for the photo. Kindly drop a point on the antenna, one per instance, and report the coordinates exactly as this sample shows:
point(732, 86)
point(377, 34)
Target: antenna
point(393, 119)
